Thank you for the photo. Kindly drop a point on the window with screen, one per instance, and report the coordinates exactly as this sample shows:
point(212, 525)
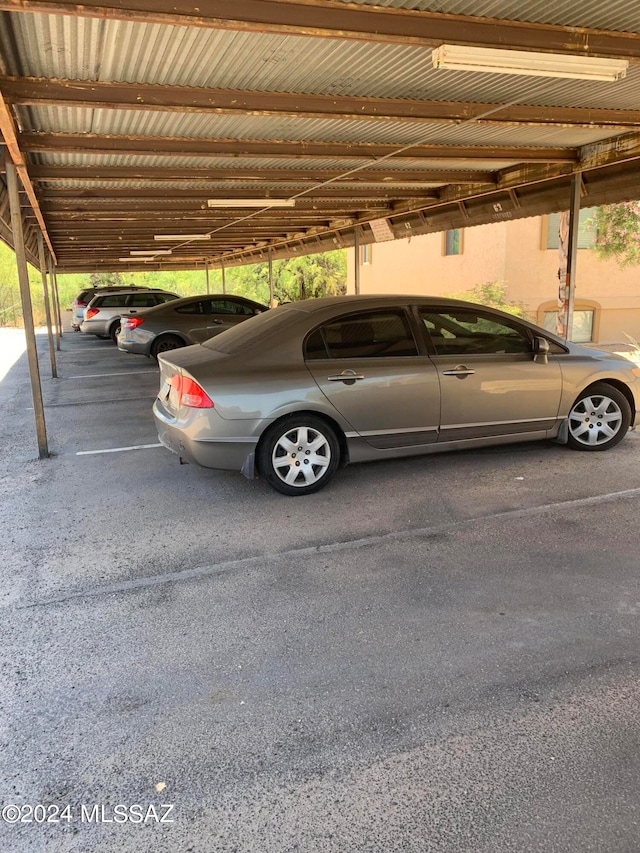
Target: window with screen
point(468, 332)
point(383, 334)
point(587, 233)
point(582, 324)
point(453, 242)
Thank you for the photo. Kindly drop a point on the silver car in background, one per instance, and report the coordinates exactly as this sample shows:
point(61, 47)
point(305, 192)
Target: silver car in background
point(102, 315)
point(310, 386)
point(190, 320)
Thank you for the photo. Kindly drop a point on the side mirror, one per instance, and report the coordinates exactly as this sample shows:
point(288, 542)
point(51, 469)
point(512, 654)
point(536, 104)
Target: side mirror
point(541, 350)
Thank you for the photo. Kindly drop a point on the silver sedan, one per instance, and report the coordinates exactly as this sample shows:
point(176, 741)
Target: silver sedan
point(303, 389)
point(186, 321)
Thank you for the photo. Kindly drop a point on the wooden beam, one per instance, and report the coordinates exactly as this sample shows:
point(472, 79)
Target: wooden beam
point(323, 18)
point(270, 176)
point(93, 143)
point(9, 134)
point(133, 96)
point(331, 192)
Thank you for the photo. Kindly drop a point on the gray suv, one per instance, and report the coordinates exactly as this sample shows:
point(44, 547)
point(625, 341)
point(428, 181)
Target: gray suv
point(102, 314)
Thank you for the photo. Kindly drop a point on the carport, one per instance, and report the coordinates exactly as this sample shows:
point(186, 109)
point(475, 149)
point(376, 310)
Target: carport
point(142, 137)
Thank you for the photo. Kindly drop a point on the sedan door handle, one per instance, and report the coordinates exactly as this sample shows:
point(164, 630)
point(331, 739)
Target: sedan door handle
point(460, 370)
point(348, 376)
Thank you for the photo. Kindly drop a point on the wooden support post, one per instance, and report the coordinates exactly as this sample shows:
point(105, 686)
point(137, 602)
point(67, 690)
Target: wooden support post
point(356, 246)
point(47, 305)
point(271, 300)
point(568, 252)
point(27, 310)
point(56, 302)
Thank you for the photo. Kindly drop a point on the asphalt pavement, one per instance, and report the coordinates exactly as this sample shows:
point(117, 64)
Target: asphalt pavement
point(433, 654)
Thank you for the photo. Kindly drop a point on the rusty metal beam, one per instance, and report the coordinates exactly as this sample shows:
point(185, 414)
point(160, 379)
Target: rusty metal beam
point(10, 136)
point(271, 176)
point(323, 18)
point(330, 193)
point(133, 96)
point(93, 143)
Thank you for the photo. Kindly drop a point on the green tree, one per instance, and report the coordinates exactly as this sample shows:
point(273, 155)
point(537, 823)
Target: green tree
point(10, 301)
point(618, 228)
point(106, 279)
point(306, 277)
point(494, 295)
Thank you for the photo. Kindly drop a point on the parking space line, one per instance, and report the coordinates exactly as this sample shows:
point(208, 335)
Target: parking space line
point(102, 402)
point(116, 373)
point(260, 560)
point(116, 449)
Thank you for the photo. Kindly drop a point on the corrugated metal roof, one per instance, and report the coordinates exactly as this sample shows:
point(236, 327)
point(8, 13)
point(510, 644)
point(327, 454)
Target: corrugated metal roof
point(333, 82)
point(231, 163)
point(199, 126)
point(176, 56)
point(620, 16)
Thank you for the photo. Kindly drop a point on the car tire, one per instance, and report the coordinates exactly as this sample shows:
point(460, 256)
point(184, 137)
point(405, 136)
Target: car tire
point(599, 418)
point(113, 331)
point(166, 343)
point(298, 455)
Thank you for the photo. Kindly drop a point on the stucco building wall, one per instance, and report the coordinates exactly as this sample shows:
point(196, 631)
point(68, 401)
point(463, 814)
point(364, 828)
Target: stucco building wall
point(516, 254)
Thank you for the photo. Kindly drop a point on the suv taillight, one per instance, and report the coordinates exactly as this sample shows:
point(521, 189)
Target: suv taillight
point(91, 312)
point(81, 304)
point(132, 322)
point(190, 393)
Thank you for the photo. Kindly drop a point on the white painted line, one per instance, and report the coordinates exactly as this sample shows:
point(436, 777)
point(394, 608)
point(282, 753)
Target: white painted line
point(330, 548)
point(116, 449)
point(117, 373)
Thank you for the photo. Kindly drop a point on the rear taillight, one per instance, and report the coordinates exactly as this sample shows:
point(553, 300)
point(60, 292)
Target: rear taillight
point(132, 322)
point(91, 312)
point(81, 304)
point(190, 393)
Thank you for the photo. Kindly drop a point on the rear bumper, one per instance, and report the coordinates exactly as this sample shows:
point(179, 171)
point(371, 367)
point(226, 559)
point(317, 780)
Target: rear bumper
point(133, 346)
point(90, 327)
point(224, 452)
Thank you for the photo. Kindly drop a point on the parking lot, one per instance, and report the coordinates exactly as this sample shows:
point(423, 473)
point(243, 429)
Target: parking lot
point(432, 654)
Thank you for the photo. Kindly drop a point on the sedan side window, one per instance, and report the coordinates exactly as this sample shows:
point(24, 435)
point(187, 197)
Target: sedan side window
point(192, 308)
point(466, 331)
point(367, 335)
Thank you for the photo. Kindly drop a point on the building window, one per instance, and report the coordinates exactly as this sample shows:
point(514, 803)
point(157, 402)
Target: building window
point(587, 233)
point(453, 242)
point(365, 253)
point(582, 324)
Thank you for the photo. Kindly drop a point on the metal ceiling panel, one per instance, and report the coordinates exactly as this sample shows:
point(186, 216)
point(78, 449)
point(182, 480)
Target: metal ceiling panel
point(290, 128)
point(622, 17)
point(129, 116)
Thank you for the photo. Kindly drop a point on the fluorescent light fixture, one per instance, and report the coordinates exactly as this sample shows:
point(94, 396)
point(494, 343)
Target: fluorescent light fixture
point(464, 58)
point(251, 202)
point(180, 238)
point(153, 252)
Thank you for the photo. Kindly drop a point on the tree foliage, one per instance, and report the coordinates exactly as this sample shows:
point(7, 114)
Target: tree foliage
point(494, 295)
point(306, 277)
point(10, 302)
point(618, 227)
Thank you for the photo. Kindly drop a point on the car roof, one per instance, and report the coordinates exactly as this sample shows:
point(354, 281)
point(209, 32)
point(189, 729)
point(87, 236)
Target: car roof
point(185, 300)
point(127, 291)
point(293, 318)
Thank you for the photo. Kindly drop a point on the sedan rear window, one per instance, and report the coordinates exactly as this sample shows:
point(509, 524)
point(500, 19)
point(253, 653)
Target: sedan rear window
point(379, 334)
